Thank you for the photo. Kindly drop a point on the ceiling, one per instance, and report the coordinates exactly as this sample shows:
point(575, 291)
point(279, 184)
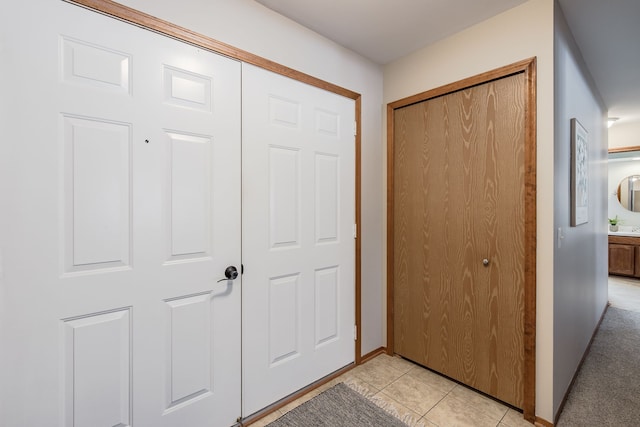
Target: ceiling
point(385, 30)
point(607, 33)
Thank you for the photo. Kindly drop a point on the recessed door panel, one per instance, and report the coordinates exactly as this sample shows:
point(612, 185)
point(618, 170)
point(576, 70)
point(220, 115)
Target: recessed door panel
point(188, 349)
point(190, 195)
point(187, 89)
point(284, 197)
point(87, 64)
point(327, 187)
point(327, 304)
point(327, 123)
point(284, 112)
point(97, 193)
point(97, 370)
point(284, 318)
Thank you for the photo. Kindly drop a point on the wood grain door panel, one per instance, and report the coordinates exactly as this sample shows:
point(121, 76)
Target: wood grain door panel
point(458, 200)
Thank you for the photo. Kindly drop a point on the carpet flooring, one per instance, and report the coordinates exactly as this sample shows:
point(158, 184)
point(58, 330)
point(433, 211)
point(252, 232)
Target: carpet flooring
point(337, 406)
point(606, 391)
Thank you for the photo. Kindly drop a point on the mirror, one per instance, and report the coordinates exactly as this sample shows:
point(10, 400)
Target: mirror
point(629, 193)
point(625, 162)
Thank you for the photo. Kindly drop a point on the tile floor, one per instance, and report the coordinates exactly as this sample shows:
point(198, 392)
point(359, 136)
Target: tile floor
point(624, 293)
point(424, 399)
point(418, 396)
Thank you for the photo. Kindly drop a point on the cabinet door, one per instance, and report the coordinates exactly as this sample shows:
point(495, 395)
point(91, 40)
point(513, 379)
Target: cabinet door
point(621, 259)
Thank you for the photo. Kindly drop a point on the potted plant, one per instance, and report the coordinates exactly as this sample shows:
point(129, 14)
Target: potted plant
point(613, 223)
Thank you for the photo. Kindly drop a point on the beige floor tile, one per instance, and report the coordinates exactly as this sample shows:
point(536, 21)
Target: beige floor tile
point(423, 422)
point(377, 373)
point(431, 379)
point(624, 293)
point(408, 391)
point(414, 394)
point(382, 360)
point(452, 412)
point(359, 368)
point(396, 362)
point(362, 387)
point(489, 407)
point(514, 419)
point(397, 409)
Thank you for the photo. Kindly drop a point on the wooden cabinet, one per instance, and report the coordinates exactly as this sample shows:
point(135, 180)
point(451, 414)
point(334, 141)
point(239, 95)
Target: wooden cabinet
point(624, 256)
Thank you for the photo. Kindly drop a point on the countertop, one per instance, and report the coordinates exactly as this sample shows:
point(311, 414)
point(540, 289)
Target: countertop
point(624, 233)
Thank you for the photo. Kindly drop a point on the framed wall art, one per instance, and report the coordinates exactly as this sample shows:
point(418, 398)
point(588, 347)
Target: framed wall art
point(579, 174)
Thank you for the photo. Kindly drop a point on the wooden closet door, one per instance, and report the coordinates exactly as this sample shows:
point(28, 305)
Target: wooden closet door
point(459, 235)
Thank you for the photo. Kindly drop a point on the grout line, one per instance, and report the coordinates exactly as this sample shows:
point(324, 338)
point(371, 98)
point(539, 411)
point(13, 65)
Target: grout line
point(380, 392)
point(504, 416)
point(437, 403)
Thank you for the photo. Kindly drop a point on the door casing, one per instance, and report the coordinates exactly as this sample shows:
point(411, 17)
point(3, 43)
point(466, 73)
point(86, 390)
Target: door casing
point(528, 67)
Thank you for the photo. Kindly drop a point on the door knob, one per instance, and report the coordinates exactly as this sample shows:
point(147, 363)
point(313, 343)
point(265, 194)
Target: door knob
point(230, 273)
point(485, 262)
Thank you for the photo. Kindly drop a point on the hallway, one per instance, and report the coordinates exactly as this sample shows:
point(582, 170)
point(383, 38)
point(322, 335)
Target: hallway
point(602, 393)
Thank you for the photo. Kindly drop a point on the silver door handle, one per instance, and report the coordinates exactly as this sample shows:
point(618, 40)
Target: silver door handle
point(485, 262)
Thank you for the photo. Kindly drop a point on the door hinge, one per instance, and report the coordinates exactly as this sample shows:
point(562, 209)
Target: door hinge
point(355, 332)
point(355, 128)
point(241, 268)
point(355, 231)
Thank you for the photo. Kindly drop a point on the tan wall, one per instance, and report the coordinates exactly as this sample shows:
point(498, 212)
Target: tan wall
point(625, 133)
point(520, 33)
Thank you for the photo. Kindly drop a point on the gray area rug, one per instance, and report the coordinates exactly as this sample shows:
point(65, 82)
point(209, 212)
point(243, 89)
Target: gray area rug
point(337, 406)
point(607, 388)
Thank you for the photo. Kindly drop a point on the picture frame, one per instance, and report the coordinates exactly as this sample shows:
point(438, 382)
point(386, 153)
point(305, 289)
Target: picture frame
point(579, 174)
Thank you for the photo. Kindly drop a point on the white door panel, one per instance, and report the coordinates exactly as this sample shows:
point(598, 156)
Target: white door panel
point(298, 244)
point(122, 214)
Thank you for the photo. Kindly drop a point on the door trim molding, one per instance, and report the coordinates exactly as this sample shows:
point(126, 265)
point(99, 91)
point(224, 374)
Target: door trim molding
point(528, 67)
point(624, 149)
point(149, 22)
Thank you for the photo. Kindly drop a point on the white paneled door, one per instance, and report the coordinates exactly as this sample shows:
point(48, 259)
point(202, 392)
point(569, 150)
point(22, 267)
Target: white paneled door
point(120, 214)
point(298, 235)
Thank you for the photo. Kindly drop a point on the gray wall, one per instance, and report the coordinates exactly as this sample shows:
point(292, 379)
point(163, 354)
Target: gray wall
point(580, 264)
